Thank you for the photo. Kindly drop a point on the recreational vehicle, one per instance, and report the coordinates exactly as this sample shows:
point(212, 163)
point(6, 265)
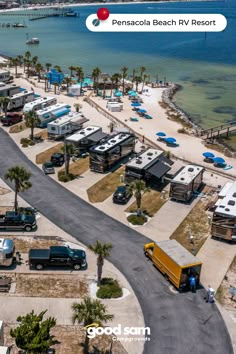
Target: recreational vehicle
point(86, 137)
point(7, 250)
point(106, 154)
point(68, 124)
point(20, 99)
point(186, 183)
point(4, 75)
point(39, 103)
point(150, 165)
point(8, 89)
point(223, 224)
point(51, 113)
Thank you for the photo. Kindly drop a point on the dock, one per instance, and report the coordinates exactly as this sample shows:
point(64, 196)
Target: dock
point(39, 14)
point(221, 130)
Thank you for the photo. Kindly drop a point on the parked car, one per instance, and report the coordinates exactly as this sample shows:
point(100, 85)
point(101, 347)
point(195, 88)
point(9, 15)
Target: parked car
point(48, 168)
point(122, 195)
point(58, 159)
point(12, 221)
point(12, 118)
point(57, 256)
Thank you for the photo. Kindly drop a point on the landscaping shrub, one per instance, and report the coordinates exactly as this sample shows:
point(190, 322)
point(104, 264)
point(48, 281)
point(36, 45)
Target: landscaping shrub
point(135, 219)
point(109, 289)
point(63, 178)
point(31, 143)
point(24, 141)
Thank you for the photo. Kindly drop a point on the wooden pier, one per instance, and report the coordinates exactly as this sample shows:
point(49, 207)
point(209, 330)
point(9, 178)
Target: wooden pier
point(218, 131)
point(38, 14)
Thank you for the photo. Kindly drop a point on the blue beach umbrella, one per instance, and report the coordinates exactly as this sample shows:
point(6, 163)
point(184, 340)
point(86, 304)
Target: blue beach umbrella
point(136, 104)
point(133, 94)
point(142, 110)
point(161, 134)
point(118, 94)
point(170, 140)
point(208, 155)
point(219, 160)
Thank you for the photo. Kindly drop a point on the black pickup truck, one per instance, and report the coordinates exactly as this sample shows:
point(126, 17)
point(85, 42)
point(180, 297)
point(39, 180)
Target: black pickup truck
point(12, 222)
point(57, 256)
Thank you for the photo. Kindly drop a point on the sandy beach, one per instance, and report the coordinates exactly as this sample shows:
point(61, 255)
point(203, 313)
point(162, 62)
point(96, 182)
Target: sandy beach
point(190, 147)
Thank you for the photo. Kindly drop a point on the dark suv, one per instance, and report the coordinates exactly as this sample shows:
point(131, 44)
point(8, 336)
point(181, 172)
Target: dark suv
point(122, 195)
point(58, 159)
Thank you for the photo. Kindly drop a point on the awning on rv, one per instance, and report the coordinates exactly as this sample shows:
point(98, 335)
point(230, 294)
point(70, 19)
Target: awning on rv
point(61, 112)
point(163, 158)
point(159, 169)
point(96, 137)
point(80, 121)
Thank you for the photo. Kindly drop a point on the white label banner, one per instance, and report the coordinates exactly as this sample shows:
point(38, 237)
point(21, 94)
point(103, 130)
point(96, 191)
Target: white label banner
point(158, 23)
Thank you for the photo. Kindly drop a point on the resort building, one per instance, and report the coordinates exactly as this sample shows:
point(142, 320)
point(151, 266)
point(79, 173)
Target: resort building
point(7, 90)
point(186, 183)
point(105, 155)
point(223, 224)
point(150, 165)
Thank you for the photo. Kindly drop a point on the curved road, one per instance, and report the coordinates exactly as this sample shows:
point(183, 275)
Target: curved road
point(180, 323)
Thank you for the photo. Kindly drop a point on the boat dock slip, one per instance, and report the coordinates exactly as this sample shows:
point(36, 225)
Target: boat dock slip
point(216, 132)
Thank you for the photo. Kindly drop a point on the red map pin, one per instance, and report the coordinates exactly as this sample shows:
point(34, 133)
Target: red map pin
point(103, 14)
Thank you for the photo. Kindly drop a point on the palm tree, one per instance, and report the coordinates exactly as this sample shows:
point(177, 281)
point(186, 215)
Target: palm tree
point(95, 76)
point(58, 68)
point(38, 68)
point(144, 80)
point(20, 58)
point(142, 70)
point(113, 79)
point(32, 120)
point(27, 64)
point(102, 250)
point(79, 73)
point(124, 75)
point(4, 101)
point(117, 77)
point(137, 80)
point(138, 188)
point(27, 55)
point(77, 106)
point(133, 75)
point(20, 177)
point(48, 66)
point(71, 68)
point(67, 81)
point(68, 150)
point(104, 86)
point(34, 61)
point(15, 62)
point(87, 312)
point(55, 84)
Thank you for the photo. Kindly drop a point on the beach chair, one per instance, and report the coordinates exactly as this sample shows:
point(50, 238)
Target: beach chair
point(147, 116)
point(172, 144)
point(134, 119)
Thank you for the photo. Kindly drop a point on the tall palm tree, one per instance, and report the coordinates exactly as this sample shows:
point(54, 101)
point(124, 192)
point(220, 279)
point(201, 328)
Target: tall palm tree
point(20, 177)
point(133, 74)
point(113, 79)
point(48, 66)
point(124, 75)
point(27, 55)
point(4, 101)
point(102, 250)
point(20, 58)
point(95, 76)
point(58, 68)
point(87, 312)
point(77, 106)
point(15, 62)
point(67, 81)
point(32, 120)
point(68, 150)
point(137, 80)
point(144, 80)
point(79, 73)
point(142, 70)
point(138, 188)
point(71, 68)
point(34, 61)
point(38, 68)
point(117, 77)
point(27, 64)
point(104, 86)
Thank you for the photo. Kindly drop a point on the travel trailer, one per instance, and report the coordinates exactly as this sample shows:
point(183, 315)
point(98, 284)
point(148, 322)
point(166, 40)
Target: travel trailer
point(20, 99)
point(65, 125)
point(4, 75)
point(51, 113)
point(39, 103)
point(7, 90)
point(7, 250)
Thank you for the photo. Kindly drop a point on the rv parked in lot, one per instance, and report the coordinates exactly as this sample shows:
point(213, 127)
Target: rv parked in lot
point(51, 113)
point(186, 183)
point(20, 99)
point(39, 103)
point(4, 75)
point(7, 250)
point(8, 89)
point(68, 124)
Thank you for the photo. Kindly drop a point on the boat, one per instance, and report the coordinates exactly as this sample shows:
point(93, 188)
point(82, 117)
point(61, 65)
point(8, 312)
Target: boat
point(33, 41)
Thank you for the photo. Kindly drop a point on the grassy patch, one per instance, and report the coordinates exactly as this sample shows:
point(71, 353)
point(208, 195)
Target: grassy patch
point(56, 286)
point(137, 219)
point(63, 178)
point(46, 155)
point(151, 203)
point(23, 244)
point(43, 134)
point(79, 167)
point(109, 289)
point(196, 224)
point(105, 187)
point(17, 128)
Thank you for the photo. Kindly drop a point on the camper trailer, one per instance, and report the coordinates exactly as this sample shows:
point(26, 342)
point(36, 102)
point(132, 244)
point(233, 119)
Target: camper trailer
point(108, 153)
point(39, 103)
point(186, 183)
point(86, 137)
point(20, 99)
point(150, 165)
point(7, 90)
point(4, 75)
point(7, 249)
point(65, 125)
point(223, 224)
point(51, 113)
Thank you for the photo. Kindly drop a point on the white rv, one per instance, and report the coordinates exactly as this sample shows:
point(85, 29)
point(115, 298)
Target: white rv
point(20, 99)
point(39, 103)
point(68, 124)
point(4, 75)
point(7, 250)
point(51, 113)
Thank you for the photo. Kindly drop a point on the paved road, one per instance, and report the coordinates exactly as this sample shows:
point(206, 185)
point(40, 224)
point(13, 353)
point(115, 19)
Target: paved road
point(180, 323)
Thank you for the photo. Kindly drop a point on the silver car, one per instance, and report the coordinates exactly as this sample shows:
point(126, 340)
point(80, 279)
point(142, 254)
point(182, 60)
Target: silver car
point(48, 168)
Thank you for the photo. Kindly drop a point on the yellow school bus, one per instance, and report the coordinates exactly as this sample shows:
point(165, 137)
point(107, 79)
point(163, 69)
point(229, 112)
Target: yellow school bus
point(174, 261)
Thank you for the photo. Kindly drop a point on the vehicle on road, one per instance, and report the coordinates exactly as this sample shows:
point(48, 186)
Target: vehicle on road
point(122, 195)
point(174, 261)
point(57, 256)
point(7, 250)
point(58, 159)
point(12, 221)
point(12, 118)
point(48, 168)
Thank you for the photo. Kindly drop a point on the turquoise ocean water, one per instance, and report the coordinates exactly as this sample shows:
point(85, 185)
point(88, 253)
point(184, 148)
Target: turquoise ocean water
point(205, 67)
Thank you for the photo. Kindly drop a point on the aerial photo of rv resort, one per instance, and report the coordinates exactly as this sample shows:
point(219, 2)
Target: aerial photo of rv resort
point(117, 208)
